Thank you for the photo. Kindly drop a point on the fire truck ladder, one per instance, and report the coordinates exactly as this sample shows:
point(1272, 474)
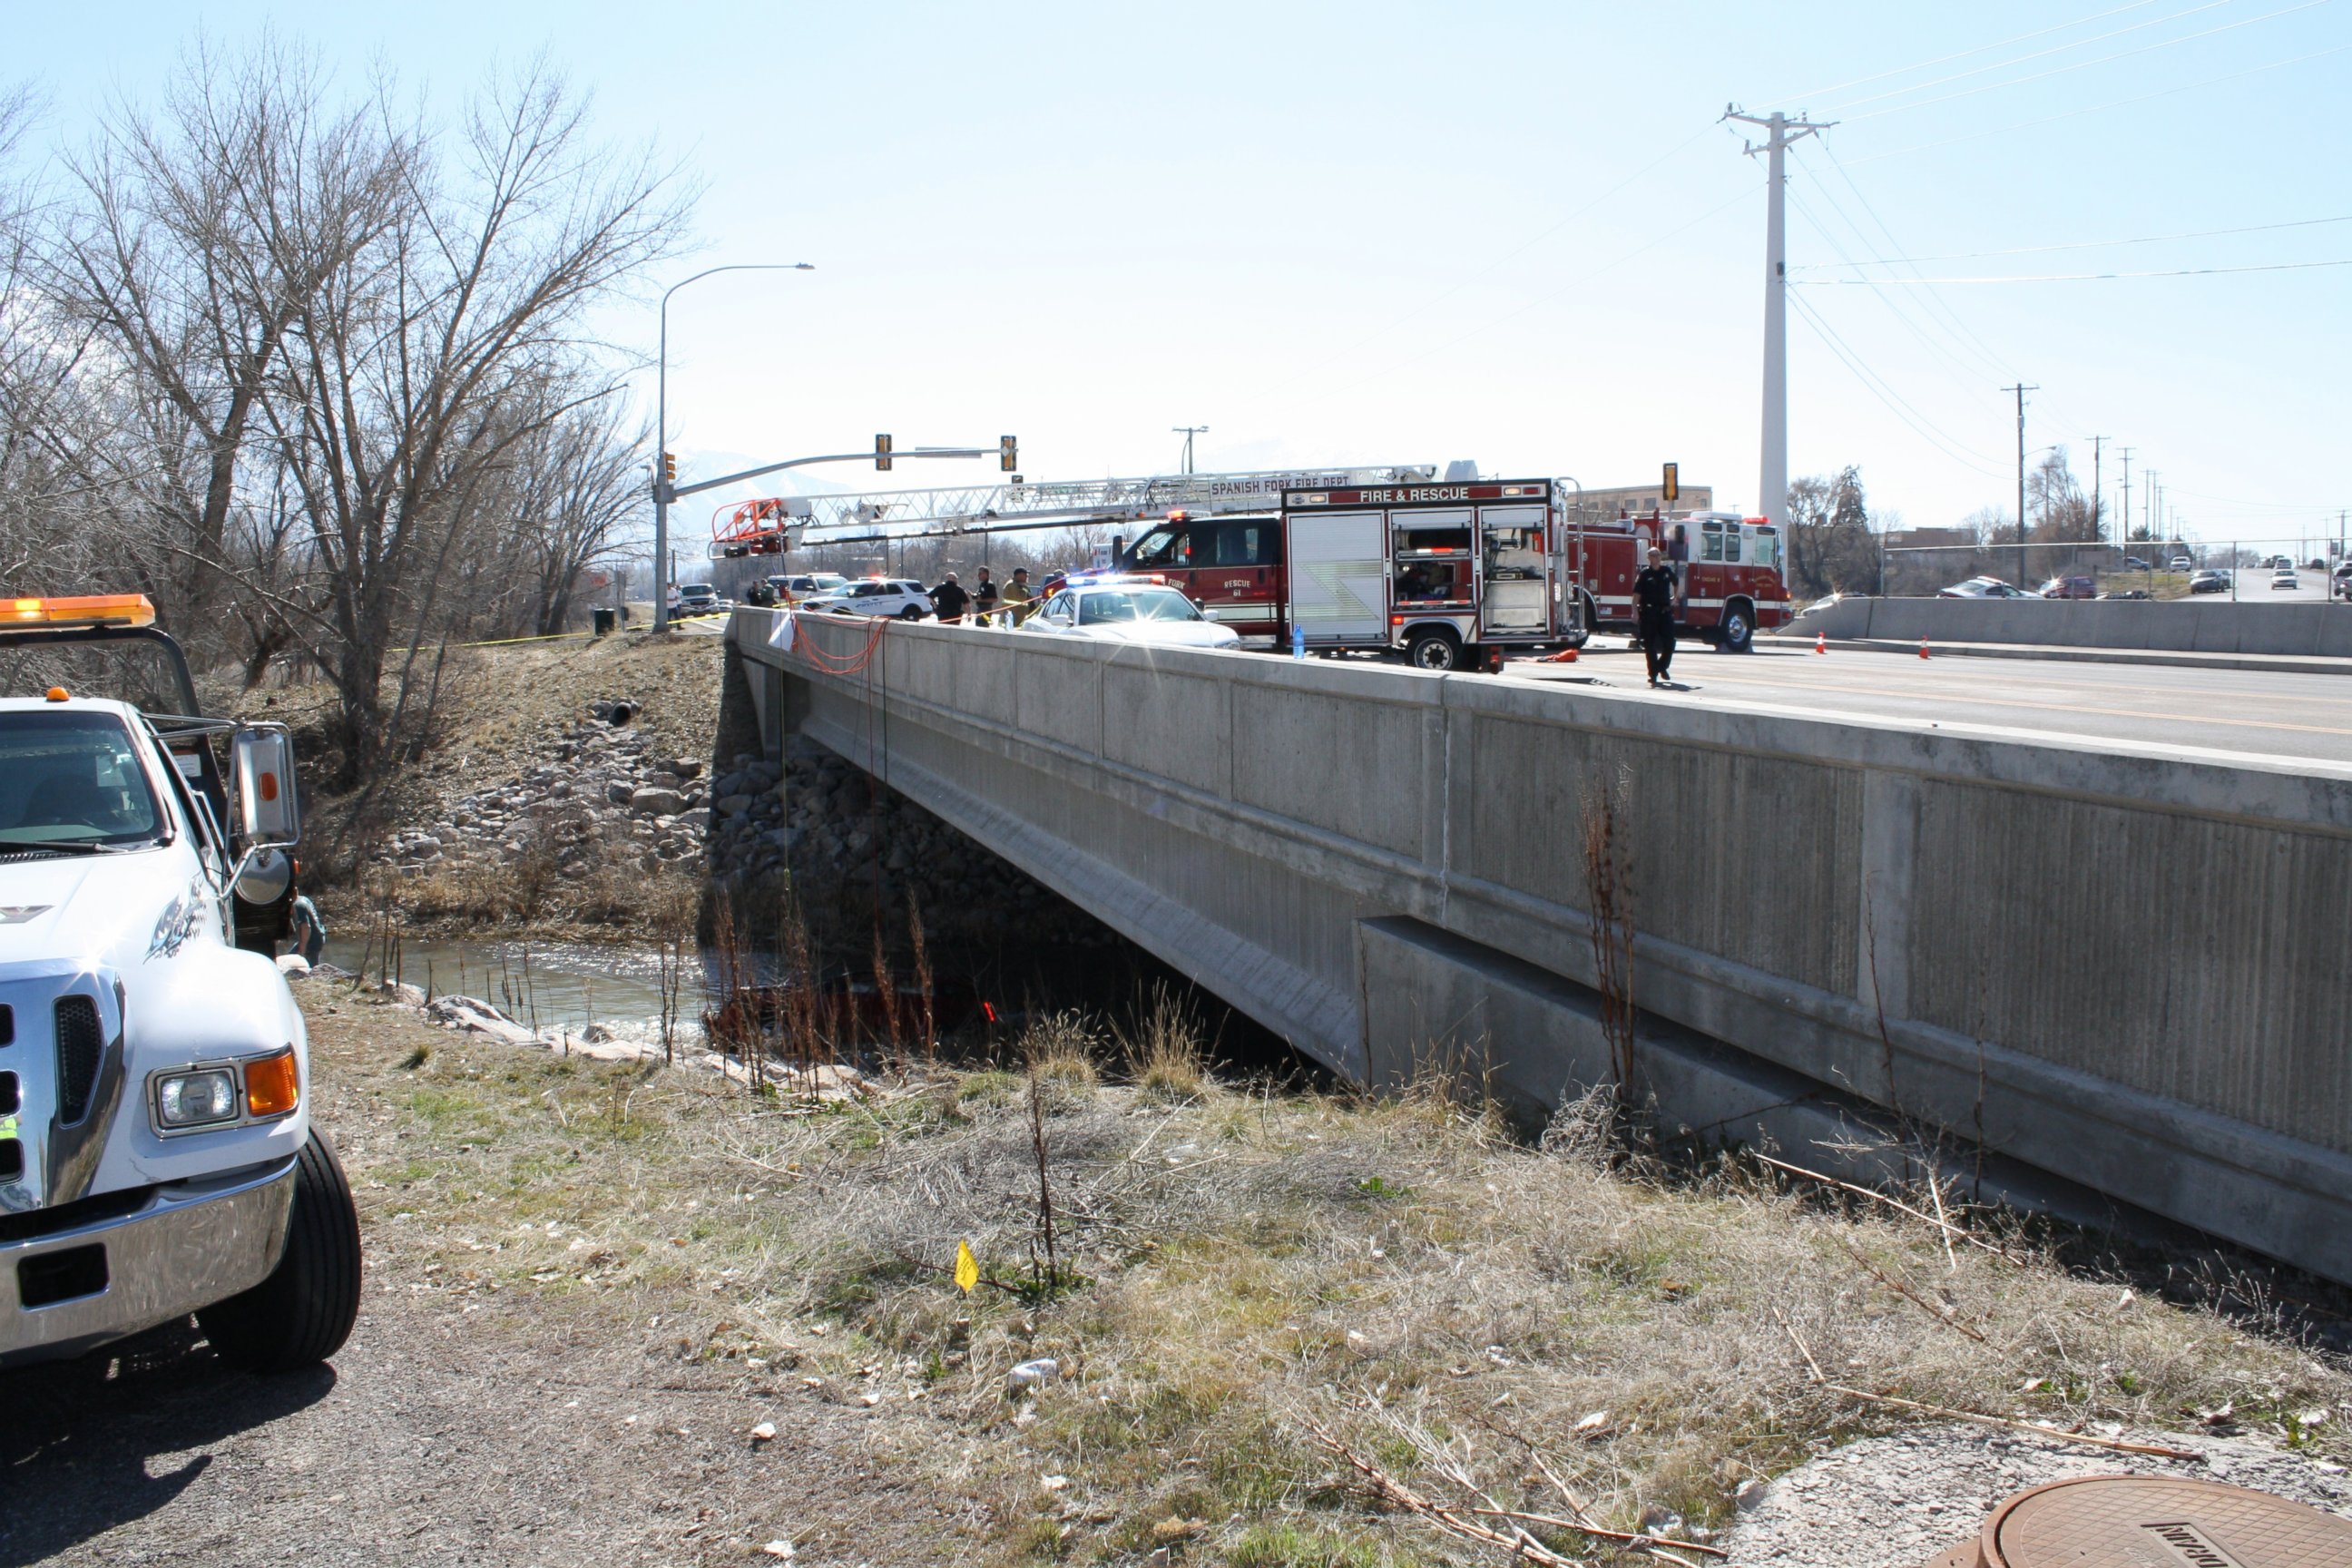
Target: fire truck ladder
point(892, 515)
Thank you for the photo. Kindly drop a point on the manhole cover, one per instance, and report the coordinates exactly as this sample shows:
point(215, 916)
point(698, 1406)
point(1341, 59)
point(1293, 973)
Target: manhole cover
point(2154, 1521)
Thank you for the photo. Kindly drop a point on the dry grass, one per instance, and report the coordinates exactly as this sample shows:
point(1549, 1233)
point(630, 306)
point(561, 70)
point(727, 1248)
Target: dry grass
point(1448, 1302)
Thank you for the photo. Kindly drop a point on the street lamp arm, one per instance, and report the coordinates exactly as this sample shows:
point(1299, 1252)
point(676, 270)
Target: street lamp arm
point(663, 493)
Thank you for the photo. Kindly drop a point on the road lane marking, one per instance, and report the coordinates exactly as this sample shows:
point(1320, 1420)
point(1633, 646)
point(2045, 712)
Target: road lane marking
point(1883, 694)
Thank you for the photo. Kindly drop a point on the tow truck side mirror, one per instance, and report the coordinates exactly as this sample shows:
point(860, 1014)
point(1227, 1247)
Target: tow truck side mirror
point(269, 816)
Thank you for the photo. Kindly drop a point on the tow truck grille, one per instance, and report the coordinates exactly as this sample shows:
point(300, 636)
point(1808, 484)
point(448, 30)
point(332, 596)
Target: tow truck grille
point(79, 1047)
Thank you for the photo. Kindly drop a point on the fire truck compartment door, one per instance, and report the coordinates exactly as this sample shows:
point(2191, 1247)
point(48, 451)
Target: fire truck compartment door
point(1515, 605)
point(1339, 577)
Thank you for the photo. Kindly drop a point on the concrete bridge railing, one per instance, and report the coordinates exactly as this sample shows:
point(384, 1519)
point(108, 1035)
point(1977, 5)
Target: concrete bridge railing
point(2126, 967)
point(2213, 625)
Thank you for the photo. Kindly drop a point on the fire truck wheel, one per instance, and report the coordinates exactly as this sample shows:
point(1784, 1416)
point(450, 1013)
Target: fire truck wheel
point(1738, 630)
point(1433, 647)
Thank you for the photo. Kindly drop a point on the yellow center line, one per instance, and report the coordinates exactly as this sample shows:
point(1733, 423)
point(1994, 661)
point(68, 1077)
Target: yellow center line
point(1881, 691)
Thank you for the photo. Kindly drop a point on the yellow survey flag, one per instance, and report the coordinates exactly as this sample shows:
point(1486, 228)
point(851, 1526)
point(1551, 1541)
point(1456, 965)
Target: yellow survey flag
point(967, 1271)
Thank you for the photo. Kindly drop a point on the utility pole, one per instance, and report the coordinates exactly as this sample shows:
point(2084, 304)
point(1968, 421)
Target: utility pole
point(1773, 460)
point(1188, 432)
point(2021, 389)
point(2098, 496)
point(2123, 534)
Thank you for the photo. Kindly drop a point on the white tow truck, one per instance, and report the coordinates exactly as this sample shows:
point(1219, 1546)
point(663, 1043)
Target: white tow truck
point(156, 1153)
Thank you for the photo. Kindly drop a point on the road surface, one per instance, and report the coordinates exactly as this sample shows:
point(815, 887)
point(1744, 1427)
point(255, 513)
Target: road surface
point(2256, 711)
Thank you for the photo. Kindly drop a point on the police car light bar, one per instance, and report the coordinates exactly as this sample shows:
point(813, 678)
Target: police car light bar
point(86, 610)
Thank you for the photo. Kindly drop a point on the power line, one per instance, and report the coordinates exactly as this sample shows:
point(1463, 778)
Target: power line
point(2086, 65)
point(1895, 404)
point(2080, 277)
point(2038, 54)
point(1964, 54)
point(1984, 350)
point(2078, 245)
point(2099, 108)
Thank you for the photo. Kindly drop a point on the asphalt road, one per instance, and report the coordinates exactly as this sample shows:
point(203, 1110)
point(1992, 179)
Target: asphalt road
point(2258, 711)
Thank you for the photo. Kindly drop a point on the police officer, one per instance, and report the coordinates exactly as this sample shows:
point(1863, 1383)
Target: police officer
point(1653, 601)
point(949, 599)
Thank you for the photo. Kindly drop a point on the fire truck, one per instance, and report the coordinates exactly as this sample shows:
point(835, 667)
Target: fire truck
point(1449, 572)
point(1727, 572)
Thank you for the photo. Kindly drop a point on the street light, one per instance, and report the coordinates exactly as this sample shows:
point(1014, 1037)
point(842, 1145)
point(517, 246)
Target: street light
point(664, 484)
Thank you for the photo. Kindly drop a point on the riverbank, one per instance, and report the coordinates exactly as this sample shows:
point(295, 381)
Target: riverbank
point(594, 1289)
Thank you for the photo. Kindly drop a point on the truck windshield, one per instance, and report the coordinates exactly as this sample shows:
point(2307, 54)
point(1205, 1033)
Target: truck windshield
point(72, 779)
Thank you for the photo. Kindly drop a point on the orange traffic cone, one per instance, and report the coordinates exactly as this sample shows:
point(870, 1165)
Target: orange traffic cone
point(1820, 642)
point(1923, 647)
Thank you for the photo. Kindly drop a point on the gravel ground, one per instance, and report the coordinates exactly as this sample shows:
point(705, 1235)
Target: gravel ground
point(444, 1435)
point(1895, 1502)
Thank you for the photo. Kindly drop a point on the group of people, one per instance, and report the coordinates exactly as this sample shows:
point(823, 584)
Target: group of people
point(951, 601)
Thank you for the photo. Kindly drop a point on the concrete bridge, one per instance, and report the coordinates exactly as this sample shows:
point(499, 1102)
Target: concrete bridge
point(2127, 969)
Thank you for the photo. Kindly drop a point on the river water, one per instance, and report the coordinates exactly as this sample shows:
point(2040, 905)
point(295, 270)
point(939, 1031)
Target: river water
point(556, 988)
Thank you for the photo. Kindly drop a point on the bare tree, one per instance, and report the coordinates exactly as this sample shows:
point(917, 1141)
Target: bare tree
point(200, 236)
point(416, 378)
point(1830, 545)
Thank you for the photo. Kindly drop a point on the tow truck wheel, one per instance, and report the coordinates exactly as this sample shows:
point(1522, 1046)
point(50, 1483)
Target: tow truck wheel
point(1433, 648)
point(1739, 630)
point(303, 1312)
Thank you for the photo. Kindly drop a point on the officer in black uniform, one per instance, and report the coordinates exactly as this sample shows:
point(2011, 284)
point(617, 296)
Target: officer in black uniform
point(1654, 602)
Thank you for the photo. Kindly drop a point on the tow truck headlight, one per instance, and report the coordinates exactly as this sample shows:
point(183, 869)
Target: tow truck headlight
point(198, 1099)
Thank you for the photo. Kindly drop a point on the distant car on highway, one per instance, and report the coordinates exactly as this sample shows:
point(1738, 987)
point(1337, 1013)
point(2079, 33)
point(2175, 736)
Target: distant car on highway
point(2070, 588)
point(696, 599)
point(2134, 563)
point(892, 596)
point(2124, 593)
point(2182, 563)
point(2285, 577)
point(1133, 612)
point(1983, 588)
point(2208, 582)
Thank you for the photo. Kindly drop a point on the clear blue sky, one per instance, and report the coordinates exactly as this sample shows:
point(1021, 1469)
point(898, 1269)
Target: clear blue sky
point(1384, 233)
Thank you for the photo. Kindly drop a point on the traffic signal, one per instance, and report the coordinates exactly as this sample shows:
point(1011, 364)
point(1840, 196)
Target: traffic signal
point(669, 468)
point(1673, 483)
point(1008, 453)
point(882, 454)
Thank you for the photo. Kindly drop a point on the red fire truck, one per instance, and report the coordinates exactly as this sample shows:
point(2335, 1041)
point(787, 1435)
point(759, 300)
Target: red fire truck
point(1453, 574)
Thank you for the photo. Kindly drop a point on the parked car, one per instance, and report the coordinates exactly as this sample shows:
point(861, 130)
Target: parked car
point(808, 585)
point(2134, 563)
point(2070, 588)
point(893, 597)
point(2182, 563)
point(696, 599)
point(2286, 577)
point(2124, 593)
point(1983, 588)
point(2208, 582)
point(1133, 611)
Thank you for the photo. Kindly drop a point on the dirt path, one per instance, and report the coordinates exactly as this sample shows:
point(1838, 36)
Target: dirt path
point(444, 1433)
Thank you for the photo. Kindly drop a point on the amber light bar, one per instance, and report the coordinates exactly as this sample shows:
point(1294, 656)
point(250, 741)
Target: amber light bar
point(86, 610)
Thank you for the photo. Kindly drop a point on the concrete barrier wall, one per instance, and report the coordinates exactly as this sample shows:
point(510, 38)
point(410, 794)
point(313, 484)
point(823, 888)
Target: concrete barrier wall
point(2131, 968)
point(2179, 625)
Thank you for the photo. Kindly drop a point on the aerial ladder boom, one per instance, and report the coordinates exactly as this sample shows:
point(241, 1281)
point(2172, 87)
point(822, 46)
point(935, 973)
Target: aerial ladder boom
point(997, 509)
